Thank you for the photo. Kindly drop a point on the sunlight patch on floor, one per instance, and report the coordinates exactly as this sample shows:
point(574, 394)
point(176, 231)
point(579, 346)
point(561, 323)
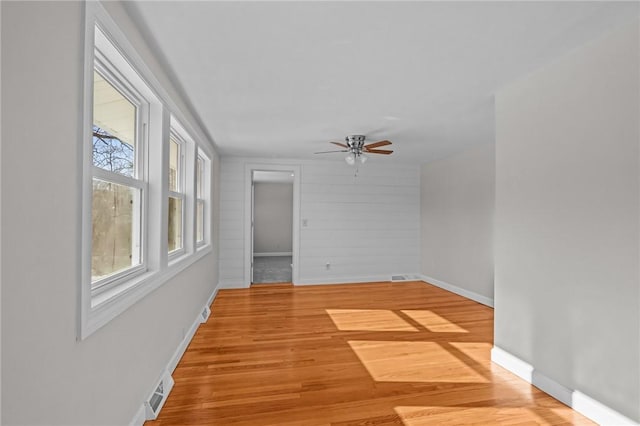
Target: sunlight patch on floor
point(413, 362)
point(433, 322)
point(421, 416)
point(368, 320)
point(477, 351)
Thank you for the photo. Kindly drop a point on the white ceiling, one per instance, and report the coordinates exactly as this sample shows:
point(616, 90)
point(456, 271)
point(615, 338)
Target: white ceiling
point(281, 79)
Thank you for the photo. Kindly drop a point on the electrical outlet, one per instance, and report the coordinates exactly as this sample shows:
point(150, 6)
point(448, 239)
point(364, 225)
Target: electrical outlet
point(304, 223)
point(328, 266)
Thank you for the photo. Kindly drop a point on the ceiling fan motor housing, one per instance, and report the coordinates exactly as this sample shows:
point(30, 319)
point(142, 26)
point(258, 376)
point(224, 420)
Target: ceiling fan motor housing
point(355, 143)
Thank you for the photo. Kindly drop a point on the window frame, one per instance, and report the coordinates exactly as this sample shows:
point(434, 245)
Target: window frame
point(95, 309)
point(181, 192)
point(205, 189)
point(113, 76)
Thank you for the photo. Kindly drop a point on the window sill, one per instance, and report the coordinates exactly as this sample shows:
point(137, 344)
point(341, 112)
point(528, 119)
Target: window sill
point(109, 304)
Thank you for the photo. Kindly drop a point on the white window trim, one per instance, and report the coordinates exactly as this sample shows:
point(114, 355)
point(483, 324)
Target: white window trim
point(181, 192)
point(206, 191)
point(138, 181)
point(96, 310)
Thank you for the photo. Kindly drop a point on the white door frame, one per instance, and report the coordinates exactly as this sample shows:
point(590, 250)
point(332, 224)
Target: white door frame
point(248, 216)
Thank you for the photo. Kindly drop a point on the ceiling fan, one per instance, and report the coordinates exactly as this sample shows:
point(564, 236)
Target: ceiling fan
point(356, 148)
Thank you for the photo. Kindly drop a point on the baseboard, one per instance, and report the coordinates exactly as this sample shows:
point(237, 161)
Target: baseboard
point(182, 347)
point(175, 359)
point(231, 284)
point(487, 301)
point(344, 280)
point(140, 416)
point(580, 402)
point(213, 296)
point(275, 253)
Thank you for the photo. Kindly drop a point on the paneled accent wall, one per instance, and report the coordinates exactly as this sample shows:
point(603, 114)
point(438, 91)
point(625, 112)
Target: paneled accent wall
point(366, 227)
point(231, 240)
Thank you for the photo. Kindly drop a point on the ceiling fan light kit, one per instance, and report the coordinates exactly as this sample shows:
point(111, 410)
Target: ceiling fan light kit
point(356, 149)
point(350, 159)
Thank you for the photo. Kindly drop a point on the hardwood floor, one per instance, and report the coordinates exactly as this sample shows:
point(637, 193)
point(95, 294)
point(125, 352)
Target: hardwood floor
point(360, 354)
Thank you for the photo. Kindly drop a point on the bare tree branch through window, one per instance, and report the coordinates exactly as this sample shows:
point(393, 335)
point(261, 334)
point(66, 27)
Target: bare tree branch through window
point(111, 153)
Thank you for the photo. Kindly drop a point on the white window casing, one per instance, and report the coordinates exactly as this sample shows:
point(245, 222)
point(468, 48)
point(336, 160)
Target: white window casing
point(108, 52)
point(137, 181)
point(203, 202)
point(178, 192)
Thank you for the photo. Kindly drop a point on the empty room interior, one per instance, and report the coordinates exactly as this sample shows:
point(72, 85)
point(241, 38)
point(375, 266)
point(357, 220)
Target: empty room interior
point(320, 213)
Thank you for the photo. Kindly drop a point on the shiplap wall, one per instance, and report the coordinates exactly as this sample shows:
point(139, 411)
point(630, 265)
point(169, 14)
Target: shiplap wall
point(366, 227)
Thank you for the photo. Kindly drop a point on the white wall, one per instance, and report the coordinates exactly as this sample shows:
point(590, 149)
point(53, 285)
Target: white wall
point(0, 220)
point(273, 217)
point(47, 376)
point(567, 290)
point(367, 227)
point(458, 202)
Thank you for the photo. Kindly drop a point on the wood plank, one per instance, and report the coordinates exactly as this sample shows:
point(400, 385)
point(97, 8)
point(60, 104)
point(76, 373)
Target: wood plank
point(376, 353)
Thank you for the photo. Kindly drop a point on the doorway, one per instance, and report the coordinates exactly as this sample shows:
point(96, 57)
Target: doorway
point(272, 227)
point(272, 222)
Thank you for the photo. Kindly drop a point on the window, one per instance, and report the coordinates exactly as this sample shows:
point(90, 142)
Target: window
point(142, 207)
point(200, 200)
point(118, 187)
point(176, 195)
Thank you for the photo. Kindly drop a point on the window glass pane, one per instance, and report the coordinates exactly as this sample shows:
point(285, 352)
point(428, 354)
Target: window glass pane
point(199, 177)
point(174, 159)
point(114, 128)
point(115, 217)
point(175, 223)
point(200, 221)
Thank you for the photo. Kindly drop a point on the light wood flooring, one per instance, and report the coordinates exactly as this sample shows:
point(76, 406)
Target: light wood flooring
point(360, 354)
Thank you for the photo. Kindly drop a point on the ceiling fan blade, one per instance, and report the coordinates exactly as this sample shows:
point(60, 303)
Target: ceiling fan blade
point(339, 144)
point(327, 152)
point(377, 144)
point(377, 151)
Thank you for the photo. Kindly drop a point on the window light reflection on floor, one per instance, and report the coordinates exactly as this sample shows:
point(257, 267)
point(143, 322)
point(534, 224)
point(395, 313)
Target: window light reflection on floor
point(479, 352)
point(429, 415)
point(433, 322)
point(368, 320)
point(390, 361)
point(387, 320)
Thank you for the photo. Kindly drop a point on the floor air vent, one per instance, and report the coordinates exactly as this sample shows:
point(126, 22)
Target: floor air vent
point(154, 404)
point(406, 277)
point(204, 316)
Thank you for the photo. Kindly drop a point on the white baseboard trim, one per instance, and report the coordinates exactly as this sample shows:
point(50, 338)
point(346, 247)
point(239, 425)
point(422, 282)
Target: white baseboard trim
point(344, 280)
point(575, 399)
point(213, 295)
point(231, 284)
point(275, 253)
point(487, 301)
point(140, 416)
point(182, 347)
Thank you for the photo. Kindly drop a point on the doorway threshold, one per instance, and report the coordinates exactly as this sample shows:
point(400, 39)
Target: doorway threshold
point(271, 285)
